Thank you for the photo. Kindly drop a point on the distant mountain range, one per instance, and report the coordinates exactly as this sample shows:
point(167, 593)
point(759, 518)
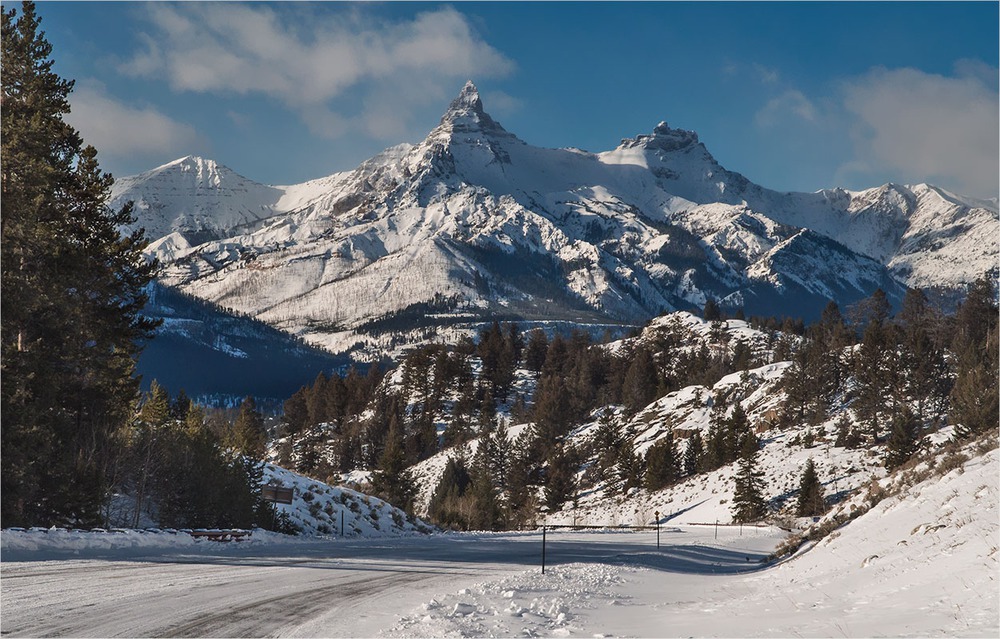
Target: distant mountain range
point(473, 223)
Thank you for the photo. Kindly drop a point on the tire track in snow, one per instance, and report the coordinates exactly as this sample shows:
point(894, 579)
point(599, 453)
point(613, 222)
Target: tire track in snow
point(266, 616)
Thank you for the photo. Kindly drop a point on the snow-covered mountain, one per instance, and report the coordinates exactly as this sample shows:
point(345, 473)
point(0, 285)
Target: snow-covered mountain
point(473, 223)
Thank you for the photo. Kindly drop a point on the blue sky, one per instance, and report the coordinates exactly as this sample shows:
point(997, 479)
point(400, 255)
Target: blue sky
point(796, 96)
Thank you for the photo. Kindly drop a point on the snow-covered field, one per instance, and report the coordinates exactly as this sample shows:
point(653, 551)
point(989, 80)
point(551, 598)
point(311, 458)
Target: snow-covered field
point(923, 563)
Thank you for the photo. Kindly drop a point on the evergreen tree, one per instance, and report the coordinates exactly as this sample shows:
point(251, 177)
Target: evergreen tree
point(485, 507)
point(296, 412)
point(811, 501)
point(693, 454)
point(180, 406)
point(393, 481)
point(551, 409)
point(155, 410)
point(711, 312)
point(559, 478)
point(974, 398)
point(639, 387)
point(748, 496)
point(661, 464)
point(631, 466)
point(446, 508)
point(71, 300)
point(737, 432)
point(246, 436)
point(904, 438)
point(538, 346)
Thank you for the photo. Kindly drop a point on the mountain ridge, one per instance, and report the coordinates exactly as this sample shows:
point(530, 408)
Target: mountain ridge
point(651, 226)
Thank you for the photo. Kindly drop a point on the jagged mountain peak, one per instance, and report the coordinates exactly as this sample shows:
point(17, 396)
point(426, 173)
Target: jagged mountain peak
point(466, 114)
point(663, 138)
point(194, 169)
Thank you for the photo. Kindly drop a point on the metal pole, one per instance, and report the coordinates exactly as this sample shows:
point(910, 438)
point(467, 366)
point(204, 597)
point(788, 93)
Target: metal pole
point(657, 513)
point(716, 528)
point(543, 549)
point(342, 523)
point(741, 529)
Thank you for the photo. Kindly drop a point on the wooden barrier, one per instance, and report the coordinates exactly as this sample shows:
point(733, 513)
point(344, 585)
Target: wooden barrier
point(220, 535)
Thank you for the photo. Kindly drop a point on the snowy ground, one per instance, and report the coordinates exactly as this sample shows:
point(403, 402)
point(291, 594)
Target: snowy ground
point(926, 565)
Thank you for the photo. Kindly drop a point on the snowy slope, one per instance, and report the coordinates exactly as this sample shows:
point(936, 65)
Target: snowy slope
point(921, 563)
point(196, 198)
point(320, 509)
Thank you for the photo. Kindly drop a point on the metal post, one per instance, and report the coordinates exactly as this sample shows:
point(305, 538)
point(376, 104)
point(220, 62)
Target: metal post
point(342, 522)
point(657, 513)
point(716, 528)
point(543, 549)
point(741, 529)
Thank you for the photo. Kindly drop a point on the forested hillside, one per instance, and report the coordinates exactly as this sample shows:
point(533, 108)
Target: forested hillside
point(494, 432)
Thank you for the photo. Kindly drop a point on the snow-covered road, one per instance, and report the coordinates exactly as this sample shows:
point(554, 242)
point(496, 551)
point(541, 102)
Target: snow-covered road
point(329, 588)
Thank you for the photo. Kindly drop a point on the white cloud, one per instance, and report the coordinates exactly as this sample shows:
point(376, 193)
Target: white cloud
point(118, 130)
point(766, 75)
point(792, 104)
point(928, 127)
point(308, 60)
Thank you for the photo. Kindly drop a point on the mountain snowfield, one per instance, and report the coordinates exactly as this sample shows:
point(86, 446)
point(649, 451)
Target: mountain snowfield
point(472, 223)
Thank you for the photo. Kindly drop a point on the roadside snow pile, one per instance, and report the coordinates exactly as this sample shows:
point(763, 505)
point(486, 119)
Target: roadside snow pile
point(320, 509)
point(17, 543)
point(527, 604)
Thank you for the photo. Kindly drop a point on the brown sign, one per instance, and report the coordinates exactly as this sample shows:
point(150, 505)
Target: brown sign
point(276, 494)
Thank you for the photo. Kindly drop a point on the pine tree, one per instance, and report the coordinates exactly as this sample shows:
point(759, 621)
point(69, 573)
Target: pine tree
point(486, 511)
point(811, 501)
point(631, 466)
point(551, 409)
point(72, 296)
point(156, 409)
point(445, 507)
point(639, 387)
point(246, 436)
point(711, 312)
point(393, 481)
point(538, 346)
point(904, 438)
point(180, 406)
point(661, 464)
point(559, 478)
point(693, 454)
point(296, 412)
point(974, 398)
point(748, 496)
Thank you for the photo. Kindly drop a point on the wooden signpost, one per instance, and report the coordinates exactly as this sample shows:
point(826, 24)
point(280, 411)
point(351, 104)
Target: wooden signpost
point(276, 494)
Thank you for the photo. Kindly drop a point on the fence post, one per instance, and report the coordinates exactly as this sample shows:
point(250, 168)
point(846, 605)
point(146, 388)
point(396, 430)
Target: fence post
point(657, 514)
point(543, 549)
point(716, 528)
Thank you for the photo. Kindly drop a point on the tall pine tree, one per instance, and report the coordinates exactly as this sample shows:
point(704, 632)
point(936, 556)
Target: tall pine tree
point(748, 496)
point(72, 295)
point(811, 501)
